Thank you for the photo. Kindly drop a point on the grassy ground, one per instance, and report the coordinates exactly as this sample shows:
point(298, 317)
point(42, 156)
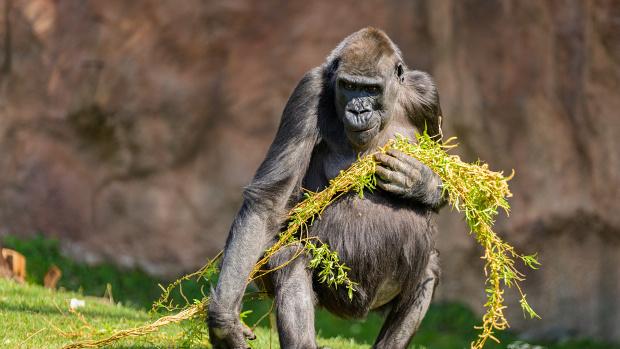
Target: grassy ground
point(33, 317)
point(131, 287)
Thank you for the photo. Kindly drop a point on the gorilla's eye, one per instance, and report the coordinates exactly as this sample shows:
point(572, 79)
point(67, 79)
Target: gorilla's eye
point(372, 89)
point(347, 85)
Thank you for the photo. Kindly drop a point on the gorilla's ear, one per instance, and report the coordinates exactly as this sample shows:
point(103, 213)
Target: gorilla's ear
point(400, 70)
point(332, 67)
point(422, 84)
point(422, 101)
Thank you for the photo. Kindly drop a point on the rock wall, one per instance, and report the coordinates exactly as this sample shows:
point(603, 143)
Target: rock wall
point(128, 129)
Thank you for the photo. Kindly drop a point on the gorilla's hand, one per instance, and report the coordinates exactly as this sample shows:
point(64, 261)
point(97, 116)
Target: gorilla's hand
point(229, 334)
point(405, 176)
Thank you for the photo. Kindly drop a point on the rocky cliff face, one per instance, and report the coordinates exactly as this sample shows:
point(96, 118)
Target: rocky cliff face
point(129, 128)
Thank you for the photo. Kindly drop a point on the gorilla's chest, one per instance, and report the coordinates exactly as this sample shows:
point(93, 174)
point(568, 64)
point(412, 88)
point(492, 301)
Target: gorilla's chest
point(371, 221)
point(380, 237)
point(375, 220)
point(328, 159)
point(325, 165)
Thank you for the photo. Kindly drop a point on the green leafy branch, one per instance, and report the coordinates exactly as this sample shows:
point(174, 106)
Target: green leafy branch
point(479, 193)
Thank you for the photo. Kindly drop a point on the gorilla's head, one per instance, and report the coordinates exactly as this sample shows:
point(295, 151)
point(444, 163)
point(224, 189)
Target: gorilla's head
point(371, 83)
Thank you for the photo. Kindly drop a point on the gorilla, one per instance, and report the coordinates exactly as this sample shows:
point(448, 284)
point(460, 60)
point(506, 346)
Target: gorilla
point(362, 96)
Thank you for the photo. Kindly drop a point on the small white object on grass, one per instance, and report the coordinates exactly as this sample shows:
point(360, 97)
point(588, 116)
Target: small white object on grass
point(76, 303)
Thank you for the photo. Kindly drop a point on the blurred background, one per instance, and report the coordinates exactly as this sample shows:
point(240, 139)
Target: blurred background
point(128, 129)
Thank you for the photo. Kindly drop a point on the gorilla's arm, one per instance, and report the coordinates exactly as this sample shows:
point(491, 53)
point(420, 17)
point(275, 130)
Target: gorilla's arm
point(407, 177)
point(266, 200)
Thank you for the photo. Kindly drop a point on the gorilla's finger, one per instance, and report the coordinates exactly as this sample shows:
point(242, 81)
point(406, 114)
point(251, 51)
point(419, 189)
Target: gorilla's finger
point(414, 175)
point(409, 160)
point(392, 188)
point(394, 177)
point(385, 173)
point(410, 166)
point(247, 332)
point(392, 162)
point(237, 340)
point(403, 180)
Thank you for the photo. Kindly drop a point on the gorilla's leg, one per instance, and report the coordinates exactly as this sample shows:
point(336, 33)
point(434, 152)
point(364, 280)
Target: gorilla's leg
point(406, 314)
point(294, 299)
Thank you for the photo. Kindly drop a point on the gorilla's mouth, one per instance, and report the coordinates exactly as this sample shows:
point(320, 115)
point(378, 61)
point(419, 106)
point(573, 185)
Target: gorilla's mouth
point(370, 126)
point(360, 137)
point(363, 129)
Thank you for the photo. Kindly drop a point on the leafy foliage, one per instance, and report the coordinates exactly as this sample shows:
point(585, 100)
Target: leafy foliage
point(479, 193)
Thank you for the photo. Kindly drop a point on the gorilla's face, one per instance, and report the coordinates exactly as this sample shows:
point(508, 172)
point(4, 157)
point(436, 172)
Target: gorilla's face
point(363, 104)
point(360, 105)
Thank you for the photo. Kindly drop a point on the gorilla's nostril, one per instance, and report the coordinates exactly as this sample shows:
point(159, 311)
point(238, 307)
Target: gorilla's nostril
point(353, 111)
point(358, 112)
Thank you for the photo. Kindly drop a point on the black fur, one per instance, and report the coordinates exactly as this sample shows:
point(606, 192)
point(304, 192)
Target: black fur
point(358, 99)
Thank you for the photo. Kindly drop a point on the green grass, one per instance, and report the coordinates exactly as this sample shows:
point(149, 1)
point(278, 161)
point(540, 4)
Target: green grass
point(32, 314)
point(31, 317)
point(30, 310)
point(131, 287)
